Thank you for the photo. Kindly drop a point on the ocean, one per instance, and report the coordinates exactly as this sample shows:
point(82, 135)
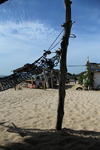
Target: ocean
point(1, 76)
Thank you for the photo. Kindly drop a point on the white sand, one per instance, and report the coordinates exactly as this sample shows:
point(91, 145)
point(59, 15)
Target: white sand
point(34, 113)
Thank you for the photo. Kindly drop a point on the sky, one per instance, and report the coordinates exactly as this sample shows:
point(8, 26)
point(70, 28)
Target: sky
point(28, 27)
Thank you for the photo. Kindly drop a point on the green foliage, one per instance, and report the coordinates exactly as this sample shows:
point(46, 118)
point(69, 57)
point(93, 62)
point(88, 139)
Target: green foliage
point(80, 79)
point(88, 77)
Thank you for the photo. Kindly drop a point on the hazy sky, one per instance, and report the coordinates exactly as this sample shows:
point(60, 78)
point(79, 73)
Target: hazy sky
point(27, 27)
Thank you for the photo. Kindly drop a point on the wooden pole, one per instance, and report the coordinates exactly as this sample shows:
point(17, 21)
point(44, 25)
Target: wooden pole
point(44, 84)
point(63, 70)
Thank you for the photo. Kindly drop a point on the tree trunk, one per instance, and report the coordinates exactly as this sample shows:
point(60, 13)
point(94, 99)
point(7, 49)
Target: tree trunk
point(63, 69)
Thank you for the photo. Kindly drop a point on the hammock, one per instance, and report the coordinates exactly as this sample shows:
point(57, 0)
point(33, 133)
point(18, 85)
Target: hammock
point(21, 74)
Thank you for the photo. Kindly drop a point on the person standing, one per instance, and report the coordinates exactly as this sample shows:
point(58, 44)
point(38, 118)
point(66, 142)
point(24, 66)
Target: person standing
point(75, 80)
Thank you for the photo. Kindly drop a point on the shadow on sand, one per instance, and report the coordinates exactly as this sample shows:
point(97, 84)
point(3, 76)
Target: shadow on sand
point(66, 139)
point(67, 86)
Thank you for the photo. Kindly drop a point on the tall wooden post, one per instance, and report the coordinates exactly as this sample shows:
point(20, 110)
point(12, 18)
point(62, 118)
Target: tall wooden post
point(63, 69)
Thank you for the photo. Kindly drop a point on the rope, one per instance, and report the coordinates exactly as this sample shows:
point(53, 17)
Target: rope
point(55, 40)
point(55, 45)
point(27, 71)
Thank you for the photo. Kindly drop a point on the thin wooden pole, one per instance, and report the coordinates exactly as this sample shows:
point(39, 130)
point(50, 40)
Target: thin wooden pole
point(44, 84)
point(63, 70)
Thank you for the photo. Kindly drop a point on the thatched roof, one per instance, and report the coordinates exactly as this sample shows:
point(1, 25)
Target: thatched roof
point(81, 74)
point(94, 67)
point(69, 74)
point(25, 68)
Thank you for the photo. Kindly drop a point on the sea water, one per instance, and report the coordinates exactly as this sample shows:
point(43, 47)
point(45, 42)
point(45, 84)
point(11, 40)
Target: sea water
point(1, 76)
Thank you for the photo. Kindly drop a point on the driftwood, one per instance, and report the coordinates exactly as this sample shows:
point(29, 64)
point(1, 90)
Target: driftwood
point(63, 69)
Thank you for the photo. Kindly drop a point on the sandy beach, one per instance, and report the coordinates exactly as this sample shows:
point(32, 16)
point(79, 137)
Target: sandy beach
point(28, 119)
